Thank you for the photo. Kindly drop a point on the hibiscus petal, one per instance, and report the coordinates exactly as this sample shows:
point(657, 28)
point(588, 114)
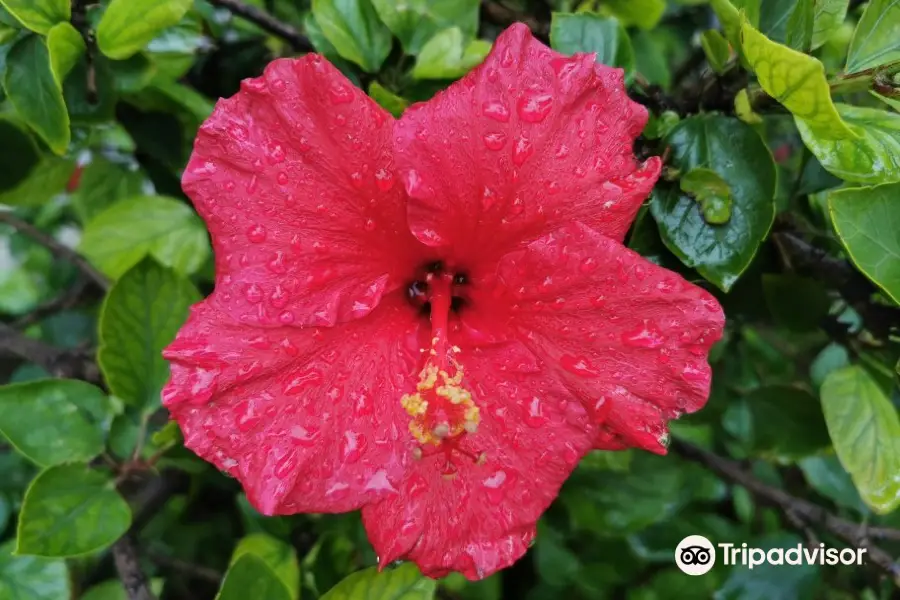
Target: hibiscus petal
point(532, 434)
point(294, 177)
point(627, 337)
point(527, 141)
point(309, 420)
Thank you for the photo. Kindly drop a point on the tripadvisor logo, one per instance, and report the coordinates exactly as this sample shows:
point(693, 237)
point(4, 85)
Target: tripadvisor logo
point(696, 555)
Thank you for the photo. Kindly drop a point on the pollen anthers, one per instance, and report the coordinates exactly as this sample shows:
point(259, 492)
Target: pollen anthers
point(441, 408)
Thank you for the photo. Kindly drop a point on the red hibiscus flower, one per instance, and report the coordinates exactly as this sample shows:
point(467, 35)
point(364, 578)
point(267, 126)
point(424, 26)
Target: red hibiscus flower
point(431, 319)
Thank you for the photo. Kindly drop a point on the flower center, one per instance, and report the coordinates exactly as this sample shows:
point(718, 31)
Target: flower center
point(441, 408)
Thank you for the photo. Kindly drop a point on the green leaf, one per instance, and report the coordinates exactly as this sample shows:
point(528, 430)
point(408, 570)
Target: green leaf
point(445, 57)
point(402, 583)
point(743, 109)
point(140, 317)
point(280, 557)
point(66, 46)
point(169, 230)
point(18, 154)
point(102, 184)
point(388, 100)
point(826, 475)
point(114, 590)
point(865, 430)
point(250, 577)
point(70, 510)
point(876, 40)
point(711, 191)
point(198, 105)
point(32, 578)
point(414, 22)
point(644, 14)
point(800, 25)
point(796, 80)
point(587, 32)
point(34, 92)
point(730, 18)
point(827, 19)
point(795, 302)
point(716, 49)
point(39, 15)
point(871, 156)
point(786, 422)
point(354, 29)
point(55, 421)
point(867, 221)
point(47, 179)
point(128, 25)
point(737, 154)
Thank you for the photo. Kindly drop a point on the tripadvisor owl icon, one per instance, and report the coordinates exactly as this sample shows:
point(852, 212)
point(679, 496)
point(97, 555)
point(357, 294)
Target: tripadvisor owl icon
point(695, 555)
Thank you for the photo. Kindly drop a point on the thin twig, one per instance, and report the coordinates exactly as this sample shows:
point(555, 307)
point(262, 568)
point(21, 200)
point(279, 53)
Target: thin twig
point(267, 22)
point(59, 363)
point(499, 14)
point(801, 510)
point(58, 249)
point(128, 565)
point(186, 568)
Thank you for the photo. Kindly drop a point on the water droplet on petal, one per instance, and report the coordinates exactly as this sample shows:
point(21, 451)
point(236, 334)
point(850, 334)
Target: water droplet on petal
point(384, 179)
point(416, 187)
point(496, 110)
point(305, 436)
point(287, 317)
point(534, 107)
point(536, 416)
point(646, 335)
point(496, 485)
point(577, 365)
point(275, 154)
point(588, 265)
point(283, 178)
point(522, 151)
point(302, 381)
point(253, 293)
point(352, 446)
point(494, 141)
point(278, 85)
point(341, 94)
point(256, 234)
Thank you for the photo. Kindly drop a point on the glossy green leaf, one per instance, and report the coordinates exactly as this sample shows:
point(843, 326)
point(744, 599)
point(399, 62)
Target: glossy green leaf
point(35, 93)
point(871, 156)
point(892, 102)
point(127, 26)
point(796, 80)
point(827, 19)
point(587, 32)
point(198, 105)
point(638, 13)
point(39, 15)
point(446, 56)
point(743, 109)
point(250, 577)
point(388, 100)
point(402, 583)
point(354, 29)
point(169, 230)
point(730, 18)
point(867, 220)
point(66, 46)
point(414, 22)
point(800, 25)
point(32, 578)
point(102, 184)
point(140, 317)
point(31, 417)
point(736, 152)
point(826, 475)
point(711, 192)
point(786, 421)
point(44, 181)
point(280, 557)
point(18, 154)
point(865, 430)
point(70, 510)
point(876, 40)
point(716, 48)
